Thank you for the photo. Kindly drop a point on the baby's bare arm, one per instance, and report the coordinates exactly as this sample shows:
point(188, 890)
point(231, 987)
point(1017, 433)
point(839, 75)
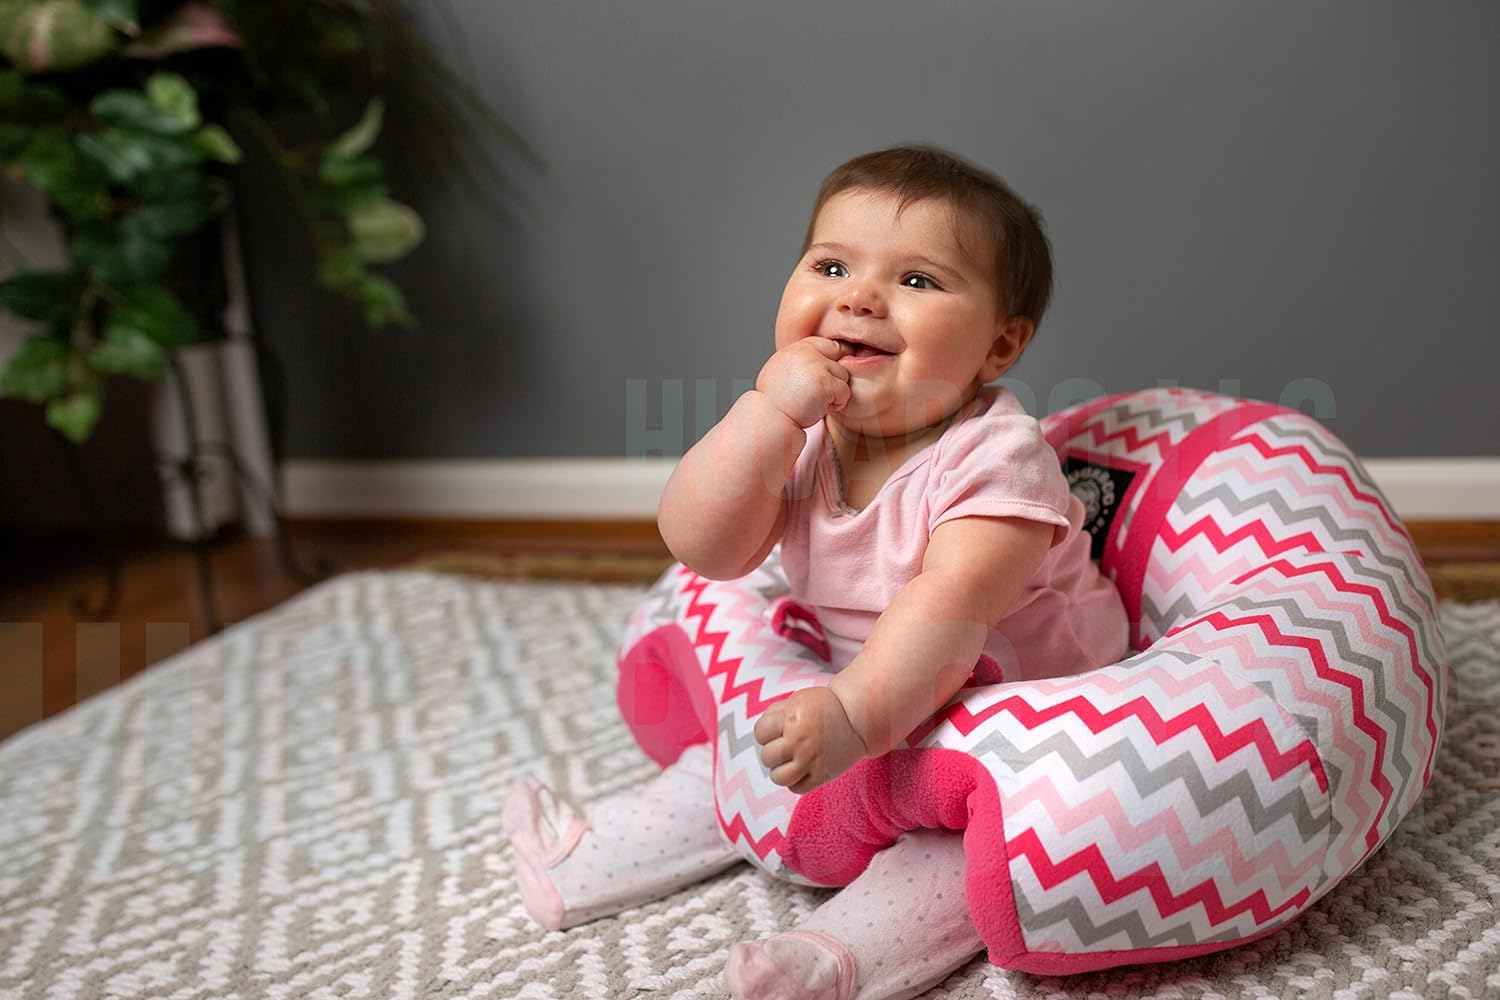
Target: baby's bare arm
point(925, 644)
point(722, 509)
point(916, 658)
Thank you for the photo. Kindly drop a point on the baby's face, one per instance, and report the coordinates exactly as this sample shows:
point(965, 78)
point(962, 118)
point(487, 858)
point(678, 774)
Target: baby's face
point(924, 314)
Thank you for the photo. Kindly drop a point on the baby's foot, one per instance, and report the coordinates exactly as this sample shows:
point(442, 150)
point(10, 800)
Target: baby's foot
point(632, 848)
point(544, 830)
point(793, 965)
point(896, 931)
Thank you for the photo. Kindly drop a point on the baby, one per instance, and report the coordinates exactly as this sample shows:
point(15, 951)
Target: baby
point(923, 518)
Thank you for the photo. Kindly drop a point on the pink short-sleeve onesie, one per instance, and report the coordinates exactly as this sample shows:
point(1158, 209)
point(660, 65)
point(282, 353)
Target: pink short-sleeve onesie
point(991, 461)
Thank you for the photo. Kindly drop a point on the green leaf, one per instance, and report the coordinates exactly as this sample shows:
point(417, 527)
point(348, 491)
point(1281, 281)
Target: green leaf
point(120, 262)
point(128, 352)
point(184, 184)
point(167, 220)
point(37, 371)
point(75, 183)
point(340, 268)
point(384, 230)
point(133, 111)
point(50, 35)
point(152, 311)
point(176, 98)
point(121, 14)
point(26, 102)
point(49, 296)
point(127, 155)
point(382, 301)
point(218, 144)
point(74, 416)
point(362, 136)
point(358, 170)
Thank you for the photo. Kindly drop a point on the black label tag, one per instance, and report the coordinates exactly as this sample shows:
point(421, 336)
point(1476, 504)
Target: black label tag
point(1100, 489)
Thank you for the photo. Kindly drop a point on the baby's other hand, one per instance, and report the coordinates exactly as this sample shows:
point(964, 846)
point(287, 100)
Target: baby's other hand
point(805, 380)
point(807, 739)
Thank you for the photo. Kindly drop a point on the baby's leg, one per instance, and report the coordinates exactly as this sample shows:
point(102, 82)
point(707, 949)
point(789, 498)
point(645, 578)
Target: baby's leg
point(899, 929)
point(631, 848)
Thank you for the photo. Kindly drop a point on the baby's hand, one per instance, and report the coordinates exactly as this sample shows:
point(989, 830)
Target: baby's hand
point(804, 379)
point(807, 739)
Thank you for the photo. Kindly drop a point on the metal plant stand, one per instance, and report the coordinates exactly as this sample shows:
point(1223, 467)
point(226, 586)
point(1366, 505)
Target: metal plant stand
point(189, 469)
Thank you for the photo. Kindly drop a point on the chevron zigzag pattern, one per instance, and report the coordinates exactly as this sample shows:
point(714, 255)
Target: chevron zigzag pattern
point(1280, 717)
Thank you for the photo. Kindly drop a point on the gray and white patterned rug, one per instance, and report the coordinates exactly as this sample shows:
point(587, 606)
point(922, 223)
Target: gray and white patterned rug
point(308, 805)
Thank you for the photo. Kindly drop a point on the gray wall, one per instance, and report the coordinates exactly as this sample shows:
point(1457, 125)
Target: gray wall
point(1239, 195)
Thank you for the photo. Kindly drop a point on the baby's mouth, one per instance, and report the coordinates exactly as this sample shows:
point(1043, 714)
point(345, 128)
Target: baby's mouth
point(858, 350)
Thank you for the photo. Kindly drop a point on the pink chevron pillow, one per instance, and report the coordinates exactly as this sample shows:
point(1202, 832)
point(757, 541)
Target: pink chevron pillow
point(1276, 719)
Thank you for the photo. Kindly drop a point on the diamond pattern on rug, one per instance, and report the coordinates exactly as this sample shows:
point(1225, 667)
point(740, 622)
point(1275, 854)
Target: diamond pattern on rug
point(308, 806)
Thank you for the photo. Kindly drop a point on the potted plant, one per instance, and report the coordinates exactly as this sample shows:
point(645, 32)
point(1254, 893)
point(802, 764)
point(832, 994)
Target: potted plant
point(124, 114)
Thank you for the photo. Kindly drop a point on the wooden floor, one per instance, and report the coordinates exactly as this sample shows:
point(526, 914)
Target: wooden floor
point(53, 655)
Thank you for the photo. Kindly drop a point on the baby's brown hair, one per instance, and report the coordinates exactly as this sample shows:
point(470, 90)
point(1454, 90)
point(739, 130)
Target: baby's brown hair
point(1022, 262)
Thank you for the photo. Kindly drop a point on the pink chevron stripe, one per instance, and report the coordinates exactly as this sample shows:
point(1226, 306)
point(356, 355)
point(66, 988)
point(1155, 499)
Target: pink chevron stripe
point(736, 830)
point(1219, 845)
point(1219, 743)
point(1310, 483)
point(1358, 614)
point(1265, 448)
point(1213, 645)
point(738, 782)
point(1168, 579)
point(1173, 685)
point(1256, 530)
point(1325, 669)
point(1395, 624)
point(1337, 501)
point(729, 667)
point(1090, 861)
point(699, 609)
point(1060, 429)
point(1103, 442)
point(1131, 555)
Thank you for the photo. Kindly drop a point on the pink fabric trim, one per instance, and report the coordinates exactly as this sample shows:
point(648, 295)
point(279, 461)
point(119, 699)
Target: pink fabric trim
point(794, 621)
point(1043, 963)
point(837, 828)
point(525, 809)
point(663, 695)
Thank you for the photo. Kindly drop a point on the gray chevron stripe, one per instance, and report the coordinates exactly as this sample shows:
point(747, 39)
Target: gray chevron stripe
point(1190, 501)
point(1330, 447)
point(1165, 619)
point(1336, 831)
point(1398, 568)
point(1076, 916)
point(1148, 779)
point(1127, 415)
point(737, 744)
point(1373, 675)
point(1324, 445)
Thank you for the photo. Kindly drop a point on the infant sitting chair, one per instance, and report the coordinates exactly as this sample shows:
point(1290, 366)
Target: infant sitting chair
point(1277, 716)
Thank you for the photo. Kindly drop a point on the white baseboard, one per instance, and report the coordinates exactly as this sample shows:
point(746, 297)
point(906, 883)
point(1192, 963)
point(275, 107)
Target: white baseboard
point(1440, 489)
point(521, 488)
point(1458, 489)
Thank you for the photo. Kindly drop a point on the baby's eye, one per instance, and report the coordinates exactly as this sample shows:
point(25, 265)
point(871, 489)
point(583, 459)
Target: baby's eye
point(822, 267)
point(918, 276)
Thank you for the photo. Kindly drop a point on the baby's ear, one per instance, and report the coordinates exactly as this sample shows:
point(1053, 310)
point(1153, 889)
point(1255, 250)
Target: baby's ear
point(1011, 337)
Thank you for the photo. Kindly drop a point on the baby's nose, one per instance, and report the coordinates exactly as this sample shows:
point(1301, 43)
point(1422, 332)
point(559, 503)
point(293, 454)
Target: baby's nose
point(860, 299)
